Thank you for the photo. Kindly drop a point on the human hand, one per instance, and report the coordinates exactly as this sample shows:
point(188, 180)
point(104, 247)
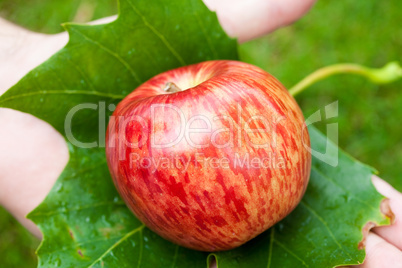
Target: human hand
point(29, 142)
point(44, 153)
point(384, 244)
point(22, 50)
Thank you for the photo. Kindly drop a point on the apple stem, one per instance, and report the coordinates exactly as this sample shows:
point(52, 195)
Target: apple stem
point(387, 74)
point(171, 87)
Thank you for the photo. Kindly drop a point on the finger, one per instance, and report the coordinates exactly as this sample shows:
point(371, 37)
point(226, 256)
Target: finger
point(253, 18)
point(103, 20)
point(32, 157)
point(380, 254)
point(385, 188)
point(391, 233)
point(31, 49)
point(249, 19)
point(23, 50)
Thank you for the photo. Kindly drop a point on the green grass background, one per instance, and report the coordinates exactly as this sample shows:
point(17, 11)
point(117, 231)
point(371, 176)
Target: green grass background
point(365, 32)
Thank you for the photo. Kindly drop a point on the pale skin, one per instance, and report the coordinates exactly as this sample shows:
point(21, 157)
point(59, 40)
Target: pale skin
point(33, 154)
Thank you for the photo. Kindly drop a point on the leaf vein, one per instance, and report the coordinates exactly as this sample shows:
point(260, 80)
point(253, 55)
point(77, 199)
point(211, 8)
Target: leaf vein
point(335, 183)
point(271, 243)
point(79, 244)
point(107, 50)
point(312, 211)
point(139, 229)
point(82, 73)
point(159, 35)
point(291, 253)
point(206, 35)
point(141, 247)
point(67, 92)
point(58, 211)
point(176, 252)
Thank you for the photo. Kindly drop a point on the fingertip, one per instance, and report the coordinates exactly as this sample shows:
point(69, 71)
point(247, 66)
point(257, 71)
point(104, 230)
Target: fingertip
point(380, 253)
point(250, 19)
point(385, 188)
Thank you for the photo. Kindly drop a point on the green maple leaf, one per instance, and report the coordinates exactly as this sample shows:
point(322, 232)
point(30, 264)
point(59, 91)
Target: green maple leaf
point(84, 221)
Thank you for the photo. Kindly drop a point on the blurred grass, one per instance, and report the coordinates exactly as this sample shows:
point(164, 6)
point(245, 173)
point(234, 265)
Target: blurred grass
point(365, 32)
point(17, 245)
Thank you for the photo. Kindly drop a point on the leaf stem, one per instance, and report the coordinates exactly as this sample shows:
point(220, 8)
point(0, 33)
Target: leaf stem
point(387, 74)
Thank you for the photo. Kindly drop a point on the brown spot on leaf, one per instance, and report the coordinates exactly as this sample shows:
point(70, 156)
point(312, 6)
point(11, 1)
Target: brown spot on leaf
point(80, 253)
point(386, 210)
point(70, 232)
point(366, 229)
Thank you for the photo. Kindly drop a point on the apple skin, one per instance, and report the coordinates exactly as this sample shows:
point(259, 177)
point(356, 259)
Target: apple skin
point(191, 188)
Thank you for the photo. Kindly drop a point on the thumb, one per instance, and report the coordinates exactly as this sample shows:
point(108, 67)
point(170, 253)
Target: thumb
point(253, 18)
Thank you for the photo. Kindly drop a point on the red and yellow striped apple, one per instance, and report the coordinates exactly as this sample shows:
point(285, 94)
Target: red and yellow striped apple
point(209, 155)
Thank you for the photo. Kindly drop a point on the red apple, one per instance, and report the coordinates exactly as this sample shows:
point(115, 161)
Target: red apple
point(209, 155)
